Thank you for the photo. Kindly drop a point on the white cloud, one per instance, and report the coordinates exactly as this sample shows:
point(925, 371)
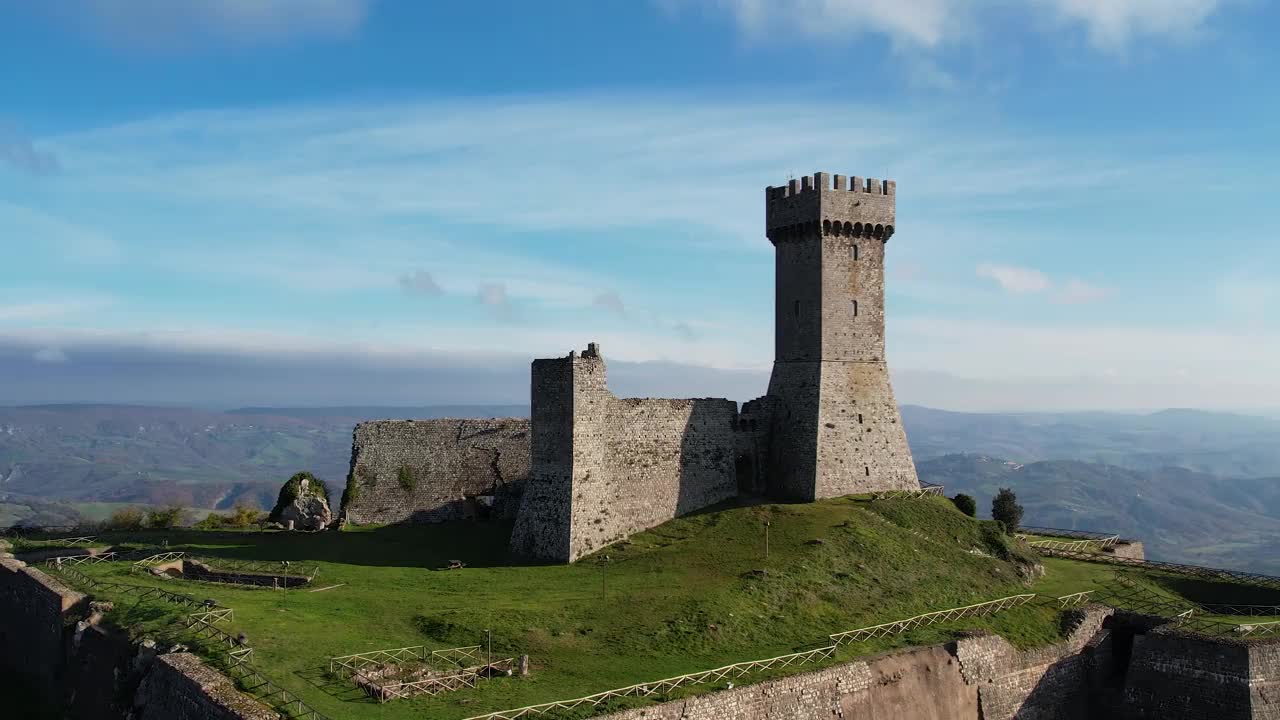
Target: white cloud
point(1113, 23)
point(1109, 24)
point(922, 21)
point(43, 310)
point(164, 23)
point(1015, 279)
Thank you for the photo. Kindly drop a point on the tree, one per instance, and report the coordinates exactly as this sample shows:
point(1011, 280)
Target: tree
point(966, 504)
point(1005, 508)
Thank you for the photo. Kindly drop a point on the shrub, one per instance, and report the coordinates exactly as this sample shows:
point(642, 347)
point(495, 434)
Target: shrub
point(243, 516)
point(966, 504)
point(129, 518)
point(166, 517)
point(212, 521)
point(1005, 509)
point(407, 477)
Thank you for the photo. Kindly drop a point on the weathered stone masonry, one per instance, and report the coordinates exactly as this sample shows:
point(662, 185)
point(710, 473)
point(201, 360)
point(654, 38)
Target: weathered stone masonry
point(837, 429)
point(437, 470)
point(606, 467)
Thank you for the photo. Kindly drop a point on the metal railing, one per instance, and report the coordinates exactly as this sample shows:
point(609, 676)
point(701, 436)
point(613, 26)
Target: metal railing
point(897, 627)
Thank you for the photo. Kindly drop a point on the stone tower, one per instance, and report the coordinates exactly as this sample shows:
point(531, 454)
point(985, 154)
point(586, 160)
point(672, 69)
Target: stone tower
point(836, 426)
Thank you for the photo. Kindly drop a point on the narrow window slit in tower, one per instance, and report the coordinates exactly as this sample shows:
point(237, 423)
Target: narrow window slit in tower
point(797, 309)
point(853, 252)
point(868, 469)
point(855, 308)
point(859, 418)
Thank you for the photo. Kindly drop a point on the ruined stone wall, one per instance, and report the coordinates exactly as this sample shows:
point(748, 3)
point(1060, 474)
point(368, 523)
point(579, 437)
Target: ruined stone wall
point(1131, 549)
point(543, 524)
point(181, 687)
point(1264, 680)
point(607, 467)
point(1184, 676)
point(977, 678)
point(921, 684)
point(423, 471)
point(1048, 683)
point(36, 617)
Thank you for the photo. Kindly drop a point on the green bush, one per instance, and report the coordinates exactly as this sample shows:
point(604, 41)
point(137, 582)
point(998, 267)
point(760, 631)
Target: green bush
point(1005, 509)
point(167, 517)
point(129, 518)
point(966, 504)
point(243, 516)
point(407, 478)
point(212, 521)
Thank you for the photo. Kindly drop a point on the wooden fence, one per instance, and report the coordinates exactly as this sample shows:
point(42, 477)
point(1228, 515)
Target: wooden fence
point(924, 491)
point(1195, 571)
point(897, 627)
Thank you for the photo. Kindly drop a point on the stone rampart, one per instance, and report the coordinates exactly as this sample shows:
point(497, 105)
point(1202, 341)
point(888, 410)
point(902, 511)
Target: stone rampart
point(422, 471)
point(1173, 674)
point(181, 687)
point(607, 467)
point(37, 615)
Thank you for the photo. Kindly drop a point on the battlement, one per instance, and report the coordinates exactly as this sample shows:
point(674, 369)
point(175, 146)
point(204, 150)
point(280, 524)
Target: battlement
point(831, 183)
point(809, 205)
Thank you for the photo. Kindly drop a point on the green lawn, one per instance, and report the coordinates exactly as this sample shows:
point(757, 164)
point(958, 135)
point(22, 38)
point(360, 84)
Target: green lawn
point(676, 599)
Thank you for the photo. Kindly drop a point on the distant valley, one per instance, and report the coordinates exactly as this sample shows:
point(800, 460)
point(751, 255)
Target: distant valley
point(1197, 486)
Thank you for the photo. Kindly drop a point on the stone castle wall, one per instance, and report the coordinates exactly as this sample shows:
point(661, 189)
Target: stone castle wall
point(437, 470)
point(1185, 676)
point(979, 678)
point(607, 467)
point(36, 617)
point(181, 687)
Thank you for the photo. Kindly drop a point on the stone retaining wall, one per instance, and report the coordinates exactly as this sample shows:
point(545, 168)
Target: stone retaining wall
point(1199, 678)
point(181, 687)
point(36, 617)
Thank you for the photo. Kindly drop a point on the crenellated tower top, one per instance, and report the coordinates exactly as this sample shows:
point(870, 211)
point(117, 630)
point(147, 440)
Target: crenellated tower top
point(828, 204)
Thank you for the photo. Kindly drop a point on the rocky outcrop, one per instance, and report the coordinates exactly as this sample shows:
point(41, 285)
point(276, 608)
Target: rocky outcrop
point(303, 504)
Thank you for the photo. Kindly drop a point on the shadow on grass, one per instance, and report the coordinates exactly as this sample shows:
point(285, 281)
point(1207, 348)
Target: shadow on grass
point(476, 543)
point(1211, 592)
point(334, 687)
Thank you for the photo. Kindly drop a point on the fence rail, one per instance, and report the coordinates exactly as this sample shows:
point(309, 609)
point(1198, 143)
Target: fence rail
point(898, 627)
point(457, 657)
point(666, 685)
point(924, 491)
point(158, 559)
point(464, 678)
point(1195, 571)
point(1070, 545)
point(78, 559)
point(1105, 539)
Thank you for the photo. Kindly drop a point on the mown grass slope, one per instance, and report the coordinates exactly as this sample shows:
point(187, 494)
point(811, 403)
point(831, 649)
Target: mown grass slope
point(686, 596)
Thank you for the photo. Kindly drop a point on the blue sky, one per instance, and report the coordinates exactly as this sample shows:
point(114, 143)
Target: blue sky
point(1085, 211)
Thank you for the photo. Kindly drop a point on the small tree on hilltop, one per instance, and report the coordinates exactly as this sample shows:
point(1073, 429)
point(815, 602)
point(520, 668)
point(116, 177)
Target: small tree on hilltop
point(966, 504)
point(1005, 508)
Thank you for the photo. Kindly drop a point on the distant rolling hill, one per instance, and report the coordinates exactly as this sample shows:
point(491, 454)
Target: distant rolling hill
point(1157, 476)
point(1182, 515)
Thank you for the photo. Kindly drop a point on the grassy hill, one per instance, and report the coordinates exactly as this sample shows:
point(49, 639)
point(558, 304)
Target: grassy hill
point(682, 597)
